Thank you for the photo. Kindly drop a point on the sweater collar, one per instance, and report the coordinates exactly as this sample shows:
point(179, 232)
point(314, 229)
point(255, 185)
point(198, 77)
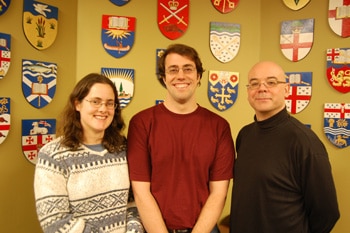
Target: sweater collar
point(273, 121)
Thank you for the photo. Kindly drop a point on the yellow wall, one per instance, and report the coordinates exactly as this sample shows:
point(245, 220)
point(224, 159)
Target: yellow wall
point(78, 50)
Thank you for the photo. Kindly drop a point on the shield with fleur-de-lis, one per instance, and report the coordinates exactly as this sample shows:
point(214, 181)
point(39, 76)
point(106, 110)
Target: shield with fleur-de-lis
point(225, 40)
point(296, 4)
point(338, 69)
point(40, 23)
point(337, 123)
point(296, 38)
point(225, 6)
point(5, 118)
point(118, 34)
point(5, 54)
point(35, 134)
point(222, 88)
point(299, 92)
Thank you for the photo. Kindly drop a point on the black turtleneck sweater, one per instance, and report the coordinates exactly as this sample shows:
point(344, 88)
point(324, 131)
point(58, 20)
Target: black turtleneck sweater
point(282, 179)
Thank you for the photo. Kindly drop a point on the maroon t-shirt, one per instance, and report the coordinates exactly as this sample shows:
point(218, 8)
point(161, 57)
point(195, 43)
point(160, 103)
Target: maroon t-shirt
point(179, 154)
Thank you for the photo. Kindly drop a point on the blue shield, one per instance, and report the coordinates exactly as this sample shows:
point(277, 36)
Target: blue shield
point(4, 5)
point(38, 82)
point(120, 2)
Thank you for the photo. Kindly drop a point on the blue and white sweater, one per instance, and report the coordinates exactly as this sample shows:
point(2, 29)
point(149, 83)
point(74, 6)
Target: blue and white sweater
point(83, 191)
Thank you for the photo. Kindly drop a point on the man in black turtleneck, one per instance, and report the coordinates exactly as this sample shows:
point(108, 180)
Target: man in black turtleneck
point(282, 177)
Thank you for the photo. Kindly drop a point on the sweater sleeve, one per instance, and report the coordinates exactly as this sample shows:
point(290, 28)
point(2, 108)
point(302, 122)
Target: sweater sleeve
point(51, 197)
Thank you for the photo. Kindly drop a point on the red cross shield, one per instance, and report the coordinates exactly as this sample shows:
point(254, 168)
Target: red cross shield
point(339, 17)
point(173, 17)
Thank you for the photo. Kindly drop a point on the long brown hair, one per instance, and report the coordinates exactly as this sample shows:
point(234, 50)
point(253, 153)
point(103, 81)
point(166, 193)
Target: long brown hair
point(71, 128)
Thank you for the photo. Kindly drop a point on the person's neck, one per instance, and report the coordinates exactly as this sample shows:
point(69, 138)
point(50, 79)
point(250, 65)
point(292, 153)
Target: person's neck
point(180, 108)
point(93, 139)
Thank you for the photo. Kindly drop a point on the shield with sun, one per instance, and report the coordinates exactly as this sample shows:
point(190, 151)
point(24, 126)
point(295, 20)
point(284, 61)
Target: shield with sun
point(118, 33)
point(123, 79)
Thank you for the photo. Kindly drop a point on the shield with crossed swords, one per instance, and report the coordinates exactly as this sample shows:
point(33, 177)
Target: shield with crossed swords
point(225, 6)
point(296, 4)
point(225, 40)
point(173, 17)
point(339, 17)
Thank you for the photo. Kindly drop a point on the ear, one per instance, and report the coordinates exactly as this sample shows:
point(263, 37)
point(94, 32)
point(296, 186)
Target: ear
point(286, 89)
point(77, 105)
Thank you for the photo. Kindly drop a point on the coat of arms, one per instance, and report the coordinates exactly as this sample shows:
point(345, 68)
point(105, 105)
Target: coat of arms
point(296, 4)
point(120, 2)
point(4, 5)
point(5, 118)
point(299, 91)
point(173, 17)
point(338, 69)
point(222, 88)
point(336, 123)
point(225, 6)
point(5, 54)
point(35, 134)
point(40, 23)
point(38, 82)
point(123, 79)
point(296, 38)
point(225, 40)
point(339, 17)
point(118, 33)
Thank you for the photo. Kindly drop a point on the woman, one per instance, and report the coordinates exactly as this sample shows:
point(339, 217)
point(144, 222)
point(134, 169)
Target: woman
point(81, 179)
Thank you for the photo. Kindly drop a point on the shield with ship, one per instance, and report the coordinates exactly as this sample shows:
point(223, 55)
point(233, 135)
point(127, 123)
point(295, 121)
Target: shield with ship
point(123, 79)
point(40, 23)
point(5, 54)
point(5, 118)
point(38, 82)
point(35, 134)
point(118, 33)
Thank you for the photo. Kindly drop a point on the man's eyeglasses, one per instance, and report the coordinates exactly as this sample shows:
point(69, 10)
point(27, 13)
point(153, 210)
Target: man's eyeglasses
point(270, 83)
point(96, 103)
point(175, 70)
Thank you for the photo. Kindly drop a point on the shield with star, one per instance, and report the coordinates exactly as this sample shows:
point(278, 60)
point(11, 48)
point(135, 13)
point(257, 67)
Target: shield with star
point(40, 23)
point(118, 34)
point(5, 54)
point(339, 17)
point(5, 118)
point(222, 88)
point(337, 123)
point(123, 79)
point(38, 82)
point(120, 2)
point(338, 69)
point(225, 40)
point(299, 92)
point(4, 5)
point(225, 6)
point(35, 134)
point(296, 38)
point(173, 17)
point(296, 4)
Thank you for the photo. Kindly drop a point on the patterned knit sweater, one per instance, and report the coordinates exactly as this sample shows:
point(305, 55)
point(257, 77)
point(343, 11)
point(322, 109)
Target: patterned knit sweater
point(83, 191)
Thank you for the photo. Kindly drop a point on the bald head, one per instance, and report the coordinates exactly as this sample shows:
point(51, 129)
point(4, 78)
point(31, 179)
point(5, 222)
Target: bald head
point(267, 69)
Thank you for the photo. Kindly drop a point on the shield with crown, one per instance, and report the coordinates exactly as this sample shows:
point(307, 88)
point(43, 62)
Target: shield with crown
point(296, 38)
point(173, 17)
point(5, 54)
point(5, 118)
point(222, 88)
point(338, 69)
point(337, 123)
point(339, 17)
point(225, 6)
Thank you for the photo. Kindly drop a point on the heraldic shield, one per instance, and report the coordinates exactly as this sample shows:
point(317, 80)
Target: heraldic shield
point(222, 89)
point(5, 118)
point(35, 134)
point(173, 17)
point(120, 2)
point(118, 34)
point(338, 69)
point(123, 79)
point(296, 38)
point(339, 17)
point(225, 6)
point(296, 4)
point(5, 54)
point(4, 5)
point(337, 123)
point(225, 40)
point(40, 23)
point(299, 91)
point(38, 82)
